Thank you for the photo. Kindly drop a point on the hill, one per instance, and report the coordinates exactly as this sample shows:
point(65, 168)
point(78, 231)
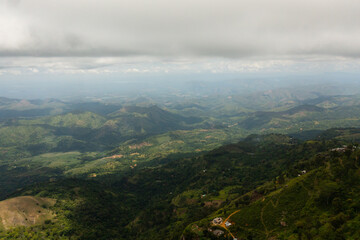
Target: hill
point(259, 119)
point(86, 131)
point(258, 176)
point(40, 148)
point(301, 118)
point(14, 108)
point(319, 203)
point(121, 171)
point(25, 211)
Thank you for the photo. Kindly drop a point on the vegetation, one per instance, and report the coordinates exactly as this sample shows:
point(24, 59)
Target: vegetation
point(318, 204)
point(120, 171)
point(258, 176)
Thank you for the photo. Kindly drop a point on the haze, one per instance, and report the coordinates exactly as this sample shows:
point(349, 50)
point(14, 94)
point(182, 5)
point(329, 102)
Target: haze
point(45, 44)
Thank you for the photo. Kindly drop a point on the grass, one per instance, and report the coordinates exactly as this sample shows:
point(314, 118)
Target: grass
point(25, 211)
point(60, 160)
point(84, 120)
point(103, 165)
point(224, 194)
point(263, 217)
point(187, 197)
point(283, 205)
point(20, 135)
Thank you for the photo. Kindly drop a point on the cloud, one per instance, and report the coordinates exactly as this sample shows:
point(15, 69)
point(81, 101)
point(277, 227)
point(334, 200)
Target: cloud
point(139, 36)
point(149, 65)
point(196, 28)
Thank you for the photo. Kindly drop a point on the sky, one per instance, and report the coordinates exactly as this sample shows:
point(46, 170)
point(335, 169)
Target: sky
point(42, 38)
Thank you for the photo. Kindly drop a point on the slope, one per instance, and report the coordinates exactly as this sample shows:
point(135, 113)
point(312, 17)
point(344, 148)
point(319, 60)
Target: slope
point(25, 211)
point(321, 203)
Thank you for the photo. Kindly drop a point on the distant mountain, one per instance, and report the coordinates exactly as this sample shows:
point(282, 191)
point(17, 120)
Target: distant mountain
point(285, 97)
point(95, 107)
point(144, 171)
point(259, 119)
point(6, 101)
point(334, 101)
point(15, 108)
point(79, 130)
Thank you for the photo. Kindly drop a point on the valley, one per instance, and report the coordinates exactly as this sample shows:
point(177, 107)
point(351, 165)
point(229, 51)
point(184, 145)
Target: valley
point(169, 173)
point(179, 120)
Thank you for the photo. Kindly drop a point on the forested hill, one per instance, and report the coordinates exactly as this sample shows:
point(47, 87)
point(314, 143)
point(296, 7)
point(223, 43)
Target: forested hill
point(318, 198)
point(88, 131)
point(282, 188)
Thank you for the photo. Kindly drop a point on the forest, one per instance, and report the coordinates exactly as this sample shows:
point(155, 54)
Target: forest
point(138, 171)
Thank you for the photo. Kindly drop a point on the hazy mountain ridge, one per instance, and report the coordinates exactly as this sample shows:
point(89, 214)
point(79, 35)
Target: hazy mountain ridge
point(179, 120)
point(88, 126)
point(153, 157)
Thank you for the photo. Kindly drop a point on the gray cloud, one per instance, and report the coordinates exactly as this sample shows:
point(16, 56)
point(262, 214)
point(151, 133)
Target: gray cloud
point(196, 28)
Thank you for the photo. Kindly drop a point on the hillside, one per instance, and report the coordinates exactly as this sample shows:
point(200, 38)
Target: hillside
point(320, 203)
point(86, 131)
point(254, 176)
point(259, 119)
point(37, 149)
point(141, 171)
point(301, 118)
point(179, 120)
point(14, 108)
point(25, 211)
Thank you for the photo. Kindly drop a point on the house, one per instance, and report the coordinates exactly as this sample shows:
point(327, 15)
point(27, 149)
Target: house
point(340, 149)
point(218, 232)
point(228, 224)
point(217, 221)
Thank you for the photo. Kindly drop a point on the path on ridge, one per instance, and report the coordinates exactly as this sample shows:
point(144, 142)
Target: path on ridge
point(223, 223)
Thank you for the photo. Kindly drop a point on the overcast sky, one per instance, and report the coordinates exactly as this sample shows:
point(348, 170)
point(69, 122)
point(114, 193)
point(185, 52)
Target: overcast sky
point(92, 37)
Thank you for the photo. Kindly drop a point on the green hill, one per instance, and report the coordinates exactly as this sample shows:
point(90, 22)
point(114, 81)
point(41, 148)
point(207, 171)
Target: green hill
point(145, 172)
point(86, 131)
point(321, 203)
point(259, 119)
point(302, 118)
point(259, 177)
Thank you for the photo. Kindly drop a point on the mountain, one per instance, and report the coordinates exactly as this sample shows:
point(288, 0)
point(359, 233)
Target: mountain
point(123, 169)
point(15, 108)
point(276, 186)
point(301, 118)
point(30, 108)
point(260, 118)
point(87, 130)
point(151, 119)
point(37, 149)
point(320, 203)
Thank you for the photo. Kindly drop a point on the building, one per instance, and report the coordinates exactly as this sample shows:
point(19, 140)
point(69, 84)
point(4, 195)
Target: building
point(217, 221)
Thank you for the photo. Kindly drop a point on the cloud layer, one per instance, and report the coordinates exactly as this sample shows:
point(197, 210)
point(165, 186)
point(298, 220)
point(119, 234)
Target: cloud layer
point(84, 35)
point(162, 28)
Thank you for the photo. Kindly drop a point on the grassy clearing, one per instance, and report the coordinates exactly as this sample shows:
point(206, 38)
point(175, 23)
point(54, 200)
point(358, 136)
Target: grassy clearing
point(25, 211)
point(64, 161)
